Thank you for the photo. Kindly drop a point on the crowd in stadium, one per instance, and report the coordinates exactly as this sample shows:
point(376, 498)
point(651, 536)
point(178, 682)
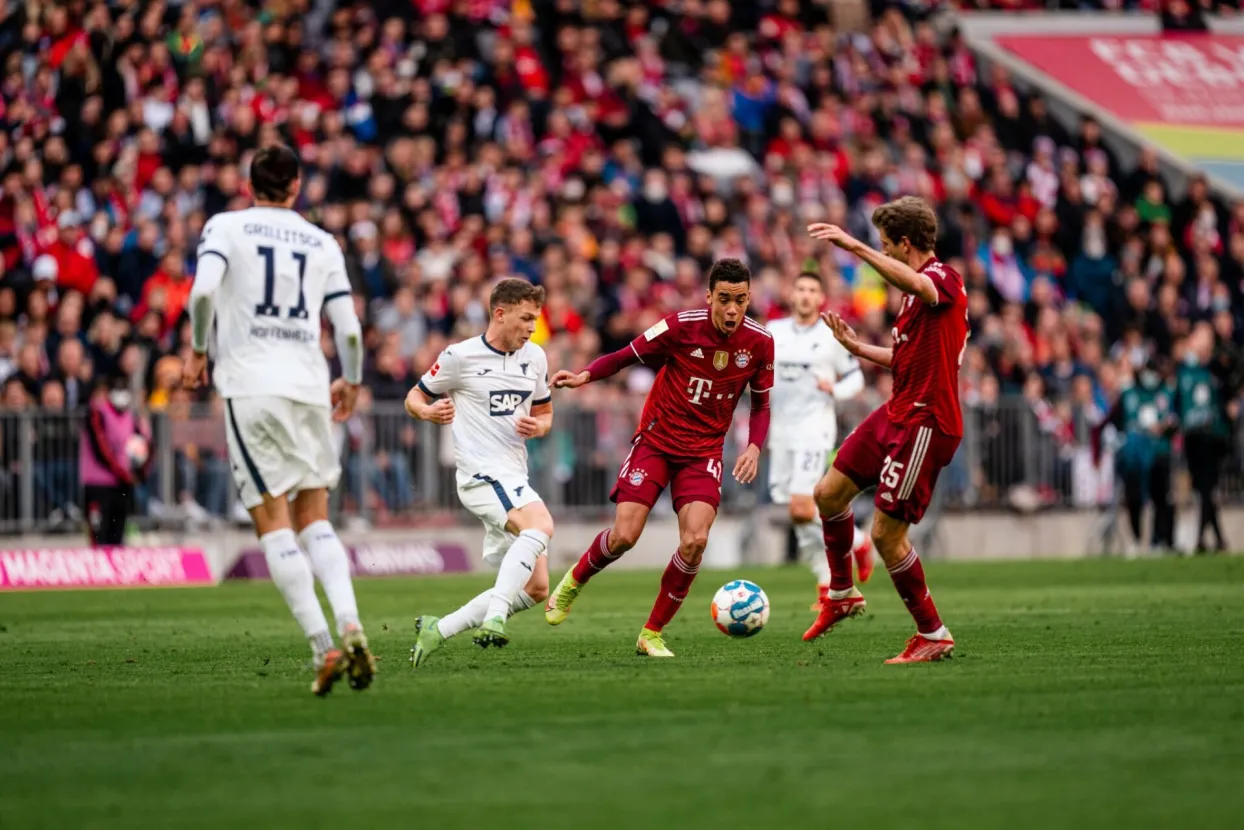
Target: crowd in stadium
point(607, 150)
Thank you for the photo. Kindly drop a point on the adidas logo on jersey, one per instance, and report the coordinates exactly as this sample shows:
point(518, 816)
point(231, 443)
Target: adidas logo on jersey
point(506, 401)
point(697, 353)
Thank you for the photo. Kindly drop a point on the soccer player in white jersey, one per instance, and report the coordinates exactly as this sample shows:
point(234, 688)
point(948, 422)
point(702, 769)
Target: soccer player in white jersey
point(811, 372)
point(266, 273)
point(494, 389)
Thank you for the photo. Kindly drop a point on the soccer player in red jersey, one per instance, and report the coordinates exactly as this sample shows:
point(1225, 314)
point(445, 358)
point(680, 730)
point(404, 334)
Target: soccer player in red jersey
point(705, 358)
point(903, 445)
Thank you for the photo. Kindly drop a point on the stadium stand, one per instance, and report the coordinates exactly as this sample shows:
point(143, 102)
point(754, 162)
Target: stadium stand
point(607, 150)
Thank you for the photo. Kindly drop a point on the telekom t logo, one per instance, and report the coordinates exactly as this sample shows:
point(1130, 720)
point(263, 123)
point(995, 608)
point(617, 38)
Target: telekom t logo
point(698, 389)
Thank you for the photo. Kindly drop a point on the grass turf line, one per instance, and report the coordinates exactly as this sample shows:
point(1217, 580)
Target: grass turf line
point(1086, 694)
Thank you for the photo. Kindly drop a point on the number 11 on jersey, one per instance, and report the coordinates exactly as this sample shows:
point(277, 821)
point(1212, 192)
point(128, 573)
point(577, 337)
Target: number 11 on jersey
point(269, 308)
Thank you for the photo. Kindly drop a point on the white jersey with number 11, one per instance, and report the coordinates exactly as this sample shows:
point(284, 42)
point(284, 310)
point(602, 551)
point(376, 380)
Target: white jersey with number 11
point(280, 270)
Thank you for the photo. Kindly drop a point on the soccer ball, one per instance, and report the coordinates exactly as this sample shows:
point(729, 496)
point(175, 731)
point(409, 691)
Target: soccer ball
point(740, 608)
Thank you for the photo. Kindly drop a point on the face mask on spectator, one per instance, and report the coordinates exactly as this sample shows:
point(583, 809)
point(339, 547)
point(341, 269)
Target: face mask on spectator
point(120, 399)
point(1094, 245)
point(783, 195)
point(654, 192)
point(1149, 379)
point(1002, 245)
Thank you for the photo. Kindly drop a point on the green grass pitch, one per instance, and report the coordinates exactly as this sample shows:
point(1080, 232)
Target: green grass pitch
point(1093, 694)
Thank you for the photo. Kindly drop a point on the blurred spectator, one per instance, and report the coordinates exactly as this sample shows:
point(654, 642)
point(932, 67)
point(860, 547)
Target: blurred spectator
point(113, 453)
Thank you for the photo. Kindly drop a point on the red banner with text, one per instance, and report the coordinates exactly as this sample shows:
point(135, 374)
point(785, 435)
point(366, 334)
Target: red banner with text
point(1185, 80)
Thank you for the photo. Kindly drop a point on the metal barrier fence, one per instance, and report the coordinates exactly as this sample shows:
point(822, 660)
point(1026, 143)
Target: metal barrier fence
point(393, 469)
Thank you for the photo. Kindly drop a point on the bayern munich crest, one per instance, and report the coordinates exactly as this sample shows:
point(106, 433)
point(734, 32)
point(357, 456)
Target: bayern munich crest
point(636, 477)
point(742, 359)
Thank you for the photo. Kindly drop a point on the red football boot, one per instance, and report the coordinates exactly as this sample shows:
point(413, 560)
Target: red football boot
point(863, 553)
point(822, 594)
point(920, 649)
point(834, 611)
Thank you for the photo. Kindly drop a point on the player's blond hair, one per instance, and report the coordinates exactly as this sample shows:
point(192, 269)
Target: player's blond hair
point(910, 218)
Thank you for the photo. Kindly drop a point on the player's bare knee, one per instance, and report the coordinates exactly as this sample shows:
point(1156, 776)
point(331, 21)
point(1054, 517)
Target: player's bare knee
point(803, 510)
point(829, 500)
point(622, 538)
point(691, 545)
point(890, 538)
point(538, 588)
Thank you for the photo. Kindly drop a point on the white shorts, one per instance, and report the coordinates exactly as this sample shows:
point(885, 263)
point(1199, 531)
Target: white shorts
point(491, 499)
point(795, 473)
point(279, 447)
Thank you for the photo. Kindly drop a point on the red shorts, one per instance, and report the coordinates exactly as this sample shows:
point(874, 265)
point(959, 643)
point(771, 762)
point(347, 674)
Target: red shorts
point(903, 461)
point(647, 470)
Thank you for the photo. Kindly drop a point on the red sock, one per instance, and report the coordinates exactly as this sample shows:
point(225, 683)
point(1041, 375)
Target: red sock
point(675, 583)
point(908, 576)
point(595, 559)
point(839, 533)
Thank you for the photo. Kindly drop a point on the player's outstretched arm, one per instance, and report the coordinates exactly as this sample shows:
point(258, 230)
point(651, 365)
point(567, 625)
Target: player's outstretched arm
point(852, 343)
point(899, 274)
point(599, 369)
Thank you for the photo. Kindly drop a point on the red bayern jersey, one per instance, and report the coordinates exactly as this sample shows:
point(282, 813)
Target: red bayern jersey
point(928, 347)
point(702, 375)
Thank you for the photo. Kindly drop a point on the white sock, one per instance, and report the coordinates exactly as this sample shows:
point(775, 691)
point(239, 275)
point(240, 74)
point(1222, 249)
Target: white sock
point(811, 544)
point(858, 539)
point(516, 569)
point(522, 601)
point(466, 617)
point(472, 614)
point(332, 567)
point(942, 633)
point(291, 573)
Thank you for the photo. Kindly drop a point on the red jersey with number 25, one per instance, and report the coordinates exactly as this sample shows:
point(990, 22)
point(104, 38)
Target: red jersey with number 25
point(702, 374)
point(928, 347)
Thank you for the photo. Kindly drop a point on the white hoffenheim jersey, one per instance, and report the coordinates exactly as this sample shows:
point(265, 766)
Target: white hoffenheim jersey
point(491, 390)
point(803, 415)
point(279, 271)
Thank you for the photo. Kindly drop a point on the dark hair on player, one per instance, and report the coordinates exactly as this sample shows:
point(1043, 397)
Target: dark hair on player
point(909, 218)
point(512, 291)
point(728, 270)
point(811, 275)
point(273, 173)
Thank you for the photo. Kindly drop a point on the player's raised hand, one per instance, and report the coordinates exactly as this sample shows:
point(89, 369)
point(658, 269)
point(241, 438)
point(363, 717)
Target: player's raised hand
point(343, 395)
point(830, 233)
point(194, 372)
point(745, 468)
point(528, 427)
point(843, 333)
point(565, 379)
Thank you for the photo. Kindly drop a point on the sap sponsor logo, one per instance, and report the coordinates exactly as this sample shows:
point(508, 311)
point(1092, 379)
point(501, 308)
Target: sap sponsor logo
point(399, 558)
point(506, 401)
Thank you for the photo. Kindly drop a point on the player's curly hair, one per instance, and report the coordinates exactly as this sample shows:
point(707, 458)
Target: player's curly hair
point(910, 218)
point(512, 291)
point(728, 270)
point(274, 170)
